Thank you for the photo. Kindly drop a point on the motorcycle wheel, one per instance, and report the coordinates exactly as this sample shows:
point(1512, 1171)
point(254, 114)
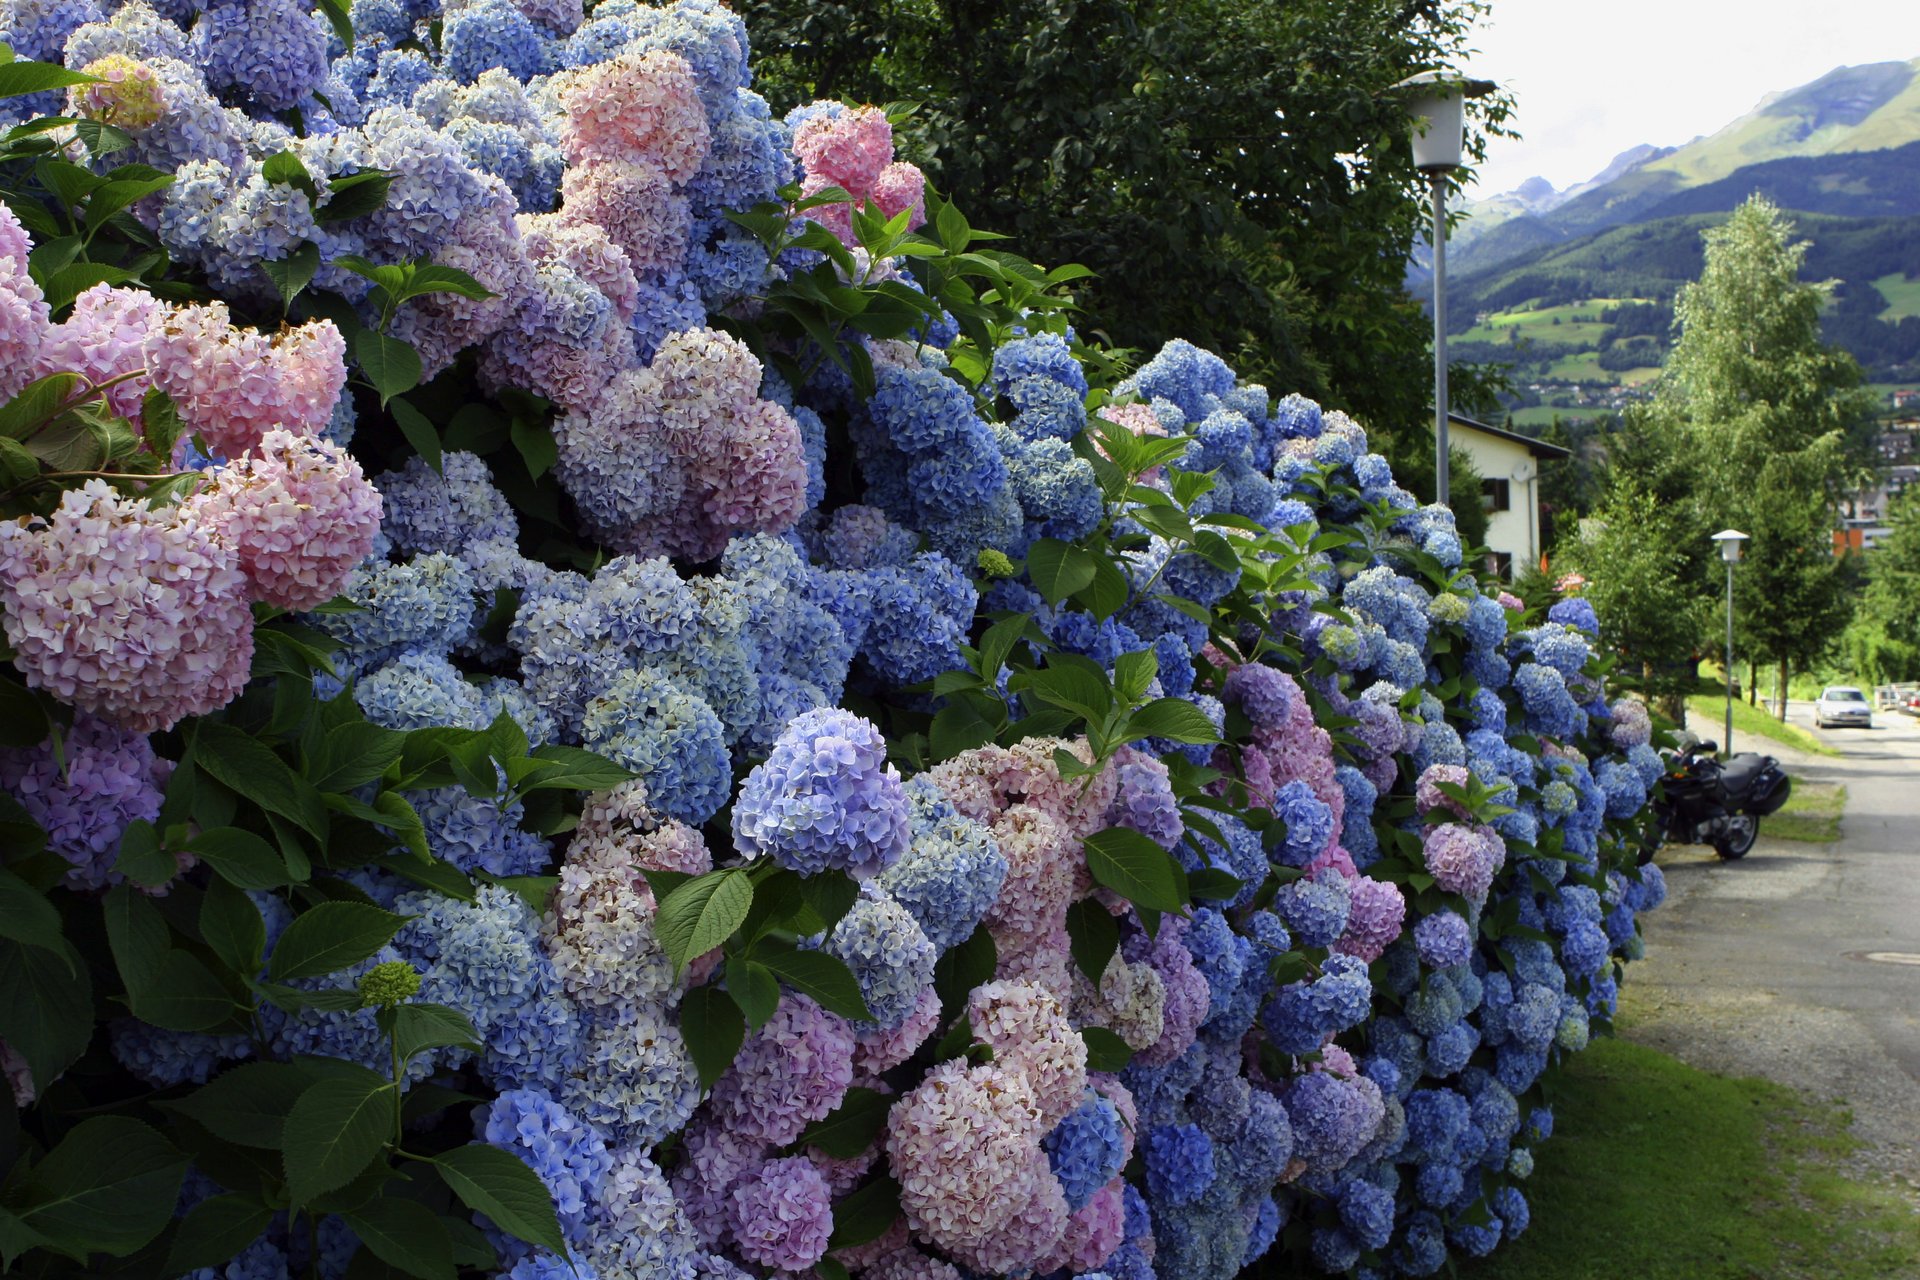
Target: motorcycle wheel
point(1737, 836)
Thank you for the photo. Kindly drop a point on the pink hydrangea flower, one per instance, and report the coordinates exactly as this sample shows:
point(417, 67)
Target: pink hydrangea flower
point(1463, 859)
point(1028, 1031)
point(1031, 1236)
point(901, 188)
point(232, 385)
point(849, 148)
point(1094, 1230)
point(781, 1214)
point(794, 1070)
point(878, 1050)
point(962, 1144)
point(1428, 796)
point(1040, 871)
point(638, 106)
point(104, 337)
point(24, 317)
point(139, 616)
point(1378, 913)
point(637, 205)
point(298, 514)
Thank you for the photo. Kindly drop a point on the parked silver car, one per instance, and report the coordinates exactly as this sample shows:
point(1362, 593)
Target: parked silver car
point(1842, 704)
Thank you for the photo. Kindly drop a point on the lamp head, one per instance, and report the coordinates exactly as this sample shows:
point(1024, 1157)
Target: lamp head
point(1437, 102)
point(1731, 541)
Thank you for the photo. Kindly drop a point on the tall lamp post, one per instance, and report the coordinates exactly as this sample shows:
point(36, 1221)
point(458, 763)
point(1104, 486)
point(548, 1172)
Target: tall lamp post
point(1731, 543)
point(1438, 103)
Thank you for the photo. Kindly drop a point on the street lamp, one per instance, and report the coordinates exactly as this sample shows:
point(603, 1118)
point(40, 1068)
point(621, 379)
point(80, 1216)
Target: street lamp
point(1731, 543)
point(1438, 103)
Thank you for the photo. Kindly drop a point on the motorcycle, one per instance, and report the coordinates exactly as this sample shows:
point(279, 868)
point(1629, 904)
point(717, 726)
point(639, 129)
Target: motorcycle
point(1706, 800)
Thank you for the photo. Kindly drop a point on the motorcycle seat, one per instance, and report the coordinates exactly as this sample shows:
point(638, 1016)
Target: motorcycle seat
point(1738, 774)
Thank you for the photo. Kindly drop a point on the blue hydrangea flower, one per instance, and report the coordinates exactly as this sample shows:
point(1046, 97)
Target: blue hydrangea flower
point(1180, 1164)
point(951, 871)
point(890, 957)
point(1085, 1149)
point(647, 723)
point(825, 799)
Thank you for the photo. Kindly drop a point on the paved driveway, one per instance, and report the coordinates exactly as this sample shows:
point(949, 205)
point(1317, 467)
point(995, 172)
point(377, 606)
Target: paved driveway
point(1801, 962)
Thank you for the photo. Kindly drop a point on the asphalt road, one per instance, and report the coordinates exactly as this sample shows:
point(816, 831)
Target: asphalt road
point(1801, 962)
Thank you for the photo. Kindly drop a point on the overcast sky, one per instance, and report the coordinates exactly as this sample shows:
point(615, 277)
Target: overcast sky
point(1595, 79)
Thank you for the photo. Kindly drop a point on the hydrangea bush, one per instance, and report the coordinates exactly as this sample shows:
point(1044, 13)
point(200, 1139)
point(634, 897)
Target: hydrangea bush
point(598, 686)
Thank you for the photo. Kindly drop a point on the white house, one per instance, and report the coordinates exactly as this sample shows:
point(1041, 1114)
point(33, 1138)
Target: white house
point(1509, 464)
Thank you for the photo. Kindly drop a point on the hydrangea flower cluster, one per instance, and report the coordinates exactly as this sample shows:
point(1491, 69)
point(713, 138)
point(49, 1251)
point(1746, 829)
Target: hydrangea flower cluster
point(1341, 1038)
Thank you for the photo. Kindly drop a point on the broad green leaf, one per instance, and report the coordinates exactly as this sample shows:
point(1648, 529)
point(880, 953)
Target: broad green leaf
point(714, 1029)
point(46, 1008)
point(414, 425)
point(23, 721)
point(567, 768)
point(960, 726)
point(498, 1184)
point(829, 895)
point(285, 169)
point(1137, 869)
point(141, 858)
point(1105, 1050)
point(294, 272)
point(1107, 594)
point(404, 1234)
point(215, 1231)
point(701, 914)
point(754, 988)
point(38, 401)
point(248, 1104)
point(240, 858)
point(335, 1130)
point(814, 973)
point(537, 449)
point(23, 77)
point(434, 278)
point(1071, 683)
point(397, 814)
point(353, 754)
point(109, 1186)
point(419, 1027)
point(327, 938)
point(1059, 569)
point(233, 928)
point(962, 968)
point(866, 1214)
point(242, 762)
point(182, 994)
point(27, 917)
point(1172, 718)
point(853, 1126)
point(354, 195)
point(114, 196)
point(1093, 936)
point(1213, 884)
point(393, 366)
point(1133, 675)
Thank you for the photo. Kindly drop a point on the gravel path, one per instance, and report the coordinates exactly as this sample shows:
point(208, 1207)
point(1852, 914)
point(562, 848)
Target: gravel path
point(1761, 967)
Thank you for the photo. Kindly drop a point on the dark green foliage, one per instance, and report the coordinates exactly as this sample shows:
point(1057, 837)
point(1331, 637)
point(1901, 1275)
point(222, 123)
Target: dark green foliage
point(1233, 171)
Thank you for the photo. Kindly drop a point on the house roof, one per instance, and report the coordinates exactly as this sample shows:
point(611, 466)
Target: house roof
point(1538, 448)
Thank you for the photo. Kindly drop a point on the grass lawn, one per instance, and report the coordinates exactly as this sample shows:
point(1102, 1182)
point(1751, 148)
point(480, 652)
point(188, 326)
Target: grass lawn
point(1812, 813)
point(1707, 716)
point(1579, 322)
point(1657, 1171)
point(1902, 294)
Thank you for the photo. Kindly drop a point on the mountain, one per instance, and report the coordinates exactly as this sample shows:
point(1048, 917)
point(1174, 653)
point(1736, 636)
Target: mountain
point(1834, 122)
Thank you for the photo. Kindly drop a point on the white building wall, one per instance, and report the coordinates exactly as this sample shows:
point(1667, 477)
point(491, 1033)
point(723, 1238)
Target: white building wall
point(1515, 531)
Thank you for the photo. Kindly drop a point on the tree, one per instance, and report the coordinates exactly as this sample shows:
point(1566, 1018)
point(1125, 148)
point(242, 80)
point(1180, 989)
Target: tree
point(1234, 171)
point(1882, 643)
point(1770, 416)
point(1634, 557)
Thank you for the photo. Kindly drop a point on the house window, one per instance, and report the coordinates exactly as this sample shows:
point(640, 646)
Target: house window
point(1495, 495)
point(1501, 563)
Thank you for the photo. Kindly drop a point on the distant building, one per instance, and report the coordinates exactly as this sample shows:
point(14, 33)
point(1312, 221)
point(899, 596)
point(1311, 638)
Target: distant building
point(1905, 398)
point(1509, 465)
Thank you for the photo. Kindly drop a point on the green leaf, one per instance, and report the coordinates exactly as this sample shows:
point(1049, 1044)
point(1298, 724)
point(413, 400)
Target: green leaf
point(242, 762)
point(1059, 569)
point(1174, 719)
point(866, 1214)
point(853, 1126)
point(182, 994)
point(27, 917)
point(1107, 594)
point(137, 935)
point(831, 1269)
point(404, 1234)
point(1093, 935)
point(714, 1029)
point(142, 859)
point(215, 1231)
point(754, 988)
point(960, 726)
point(247, 1105)
point(829, 895)
point(327, 938)
point(294, 272)
point(336, 1129)
point(702, 913)
point(555, 767)
point(1213, 884)
point(111, 197)
point(341, 19)
point(354, 195)
point(240, 858)
point(36, 402)
point(397, 814)
point(1071, 683)
point(434, 278)
point(413, 424)
point(285, 169)
point(23, 77)
point(70, 281)
point(814, 973)
point(1106, 1051)
point(1137, 869)
point(962, 968)
point(537, 448)
point(23, 721)
point(497, 1183)
point(109, 1187)
point(1133, 674)
point(353, 754)
point(46, 1008)
point(232, 928)
point(419, 1027)
point(393, 366)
